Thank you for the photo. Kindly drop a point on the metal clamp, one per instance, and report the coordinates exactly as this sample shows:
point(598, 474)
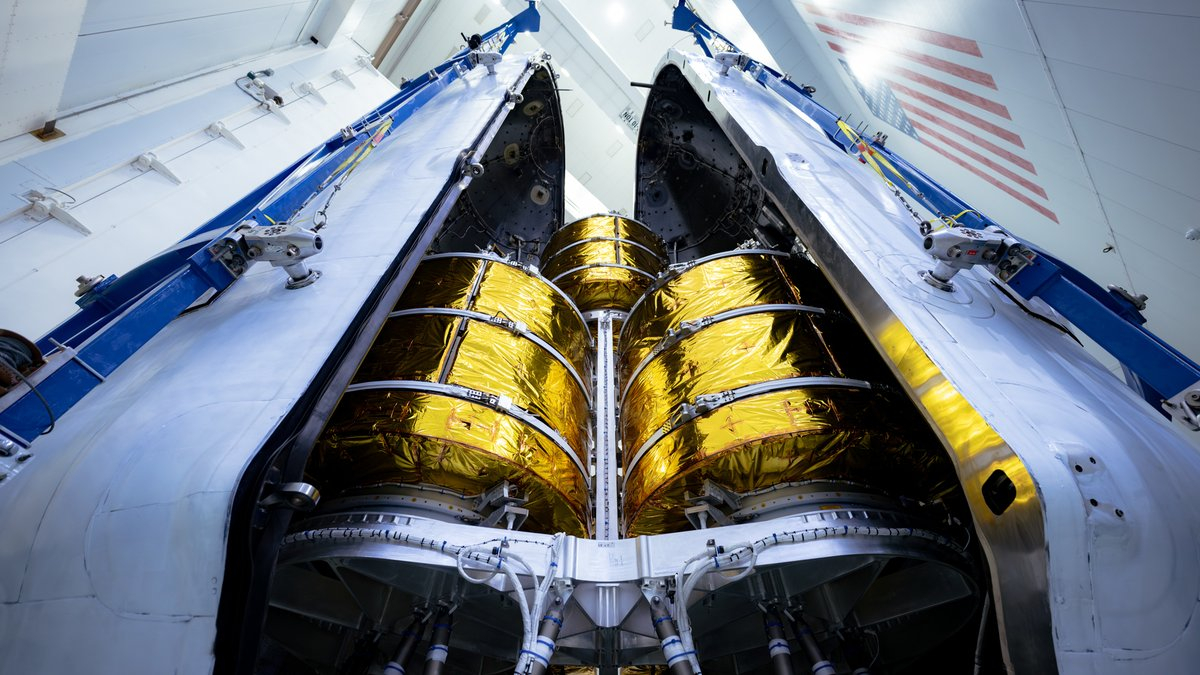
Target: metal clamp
point(1184, 408)
point(295, 496)
point(481, 58)
point(960, 248)
point(282, 245)
point(504, 501)
point(731, 59)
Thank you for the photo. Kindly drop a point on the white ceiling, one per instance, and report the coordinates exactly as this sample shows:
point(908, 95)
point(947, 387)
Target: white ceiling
point(1068, 121)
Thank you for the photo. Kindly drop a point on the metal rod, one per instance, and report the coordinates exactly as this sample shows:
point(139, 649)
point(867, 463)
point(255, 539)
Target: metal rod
point(672, 646)
point(543, 649)
point(408, 644)
point(777, 644)
point(439, 643)
point(398, 24)
point(983, 624)
point(607, 483)
point(821, 665)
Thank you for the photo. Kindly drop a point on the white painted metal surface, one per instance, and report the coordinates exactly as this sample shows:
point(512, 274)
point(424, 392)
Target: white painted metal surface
point(1099, 93)
point(114, 538)
point(1123, 587)
point(39, 39)
point(126, 45)
point(133, 214)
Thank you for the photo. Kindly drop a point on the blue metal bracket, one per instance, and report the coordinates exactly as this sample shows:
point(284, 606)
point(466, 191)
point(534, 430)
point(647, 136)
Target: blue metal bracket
point(121, 315)
point(1107, 317)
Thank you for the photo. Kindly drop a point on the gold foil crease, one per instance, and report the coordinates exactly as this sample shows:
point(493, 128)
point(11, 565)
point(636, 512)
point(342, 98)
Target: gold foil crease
point(590, 260)
point(603, 287)
point(504, 291)
point(488, 358)
point(602, 252)
point(800, 433)
point(709, 288)
point(382, 436)
point(397, 436)
point(778, 437)
point(494, 360)
point(726, 355)
point(605, 226)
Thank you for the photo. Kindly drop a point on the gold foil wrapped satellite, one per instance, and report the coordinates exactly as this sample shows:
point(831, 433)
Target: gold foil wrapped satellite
point(477, 377)
point(730, 378)
point(603, 261)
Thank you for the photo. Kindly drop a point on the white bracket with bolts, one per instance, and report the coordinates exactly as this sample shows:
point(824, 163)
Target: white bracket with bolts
point(42, 207)
point(150, 162)
point(488, 59)
point(340, 74)
point(309, 89)
point(278, 110)
point(219, 130)
point(365, 62)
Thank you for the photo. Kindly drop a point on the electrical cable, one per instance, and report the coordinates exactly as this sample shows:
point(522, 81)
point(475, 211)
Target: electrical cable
point(687, 579)
point(1034, 314)
point(15, 355)
point(61, 192)
point(983, 624)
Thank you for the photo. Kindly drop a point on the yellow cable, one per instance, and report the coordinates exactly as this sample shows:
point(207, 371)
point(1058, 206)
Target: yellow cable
point(360, 153)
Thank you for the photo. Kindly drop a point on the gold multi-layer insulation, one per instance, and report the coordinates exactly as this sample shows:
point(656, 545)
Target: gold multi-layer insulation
point(709, 330)
point(475, 349)
point(603, 262)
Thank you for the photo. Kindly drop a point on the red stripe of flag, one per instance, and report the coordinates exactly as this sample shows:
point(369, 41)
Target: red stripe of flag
point(991, 179)
point(950, 90)
point(933, 37)
point(1003, 171)
point(960, 114)
point(981, 142)
point(949, 67)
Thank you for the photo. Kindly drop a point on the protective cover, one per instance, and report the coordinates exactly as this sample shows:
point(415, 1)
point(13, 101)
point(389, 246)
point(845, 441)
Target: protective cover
point(842, 425)
point(603, 262)
point(448, 395)
point(505, 290)
point(705, 288)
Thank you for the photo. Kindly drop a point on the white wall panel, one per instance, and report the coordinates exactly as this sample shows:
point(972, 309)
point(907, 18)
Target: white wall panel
point(140, 53)
point(1164, 240)
point(1155, 47)
point(1163, 162)
point(38, 40)
point(1177, 7)
point(1155, 109)
point(134, 215)
point(113, 15)
point(1151, 201)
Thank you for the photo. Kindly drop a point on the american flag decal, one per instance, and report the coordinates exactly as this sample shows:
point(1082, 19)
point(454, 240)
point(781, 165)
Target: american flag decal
point(933, 87)
point(881, 101)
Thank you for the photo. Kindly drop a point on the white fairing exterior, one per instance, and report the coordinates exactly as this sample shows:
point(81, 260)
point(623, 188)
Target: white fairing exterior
point(1123, 590)
point(114, 539)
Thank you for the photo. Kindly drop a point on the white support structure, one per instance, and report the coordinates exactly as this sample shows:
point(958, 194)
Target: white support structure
point(606, 483)
point(339, 20)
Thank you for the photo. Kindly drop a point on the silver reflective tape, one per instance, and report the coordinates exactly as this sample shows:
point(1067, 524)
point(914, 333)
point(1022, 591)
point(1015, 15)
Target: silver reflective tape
point(438, 653)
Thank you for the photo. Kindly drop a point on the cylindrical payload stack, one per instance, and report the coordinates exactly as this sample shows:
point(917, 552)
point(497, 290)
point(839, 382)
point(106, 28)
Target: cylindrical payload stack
point(604, 262)
point(730, 378)
point(477, 378)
